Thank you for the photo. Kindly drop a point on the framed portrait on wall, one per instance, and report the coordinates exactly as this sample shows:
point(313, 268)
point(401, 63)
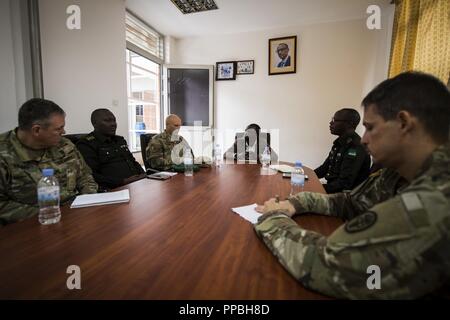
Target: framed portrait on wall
point(283, 55)
point(226, 70)
point(246, 67)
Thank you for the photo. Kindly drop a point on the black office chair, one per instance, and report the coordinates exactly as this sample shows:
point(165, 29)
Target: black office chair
point(74, 138)
point(263, 136)
point(145, 140)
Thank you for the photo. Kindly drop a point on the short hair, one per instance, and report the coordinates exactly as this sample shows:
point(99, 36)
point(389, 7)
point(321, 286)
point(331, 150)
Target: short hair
point(253, 126)
point(170, 117)
point(37, 111)
point(352, 116)
point(96, 113)
point(282, 44)
point(421, 94)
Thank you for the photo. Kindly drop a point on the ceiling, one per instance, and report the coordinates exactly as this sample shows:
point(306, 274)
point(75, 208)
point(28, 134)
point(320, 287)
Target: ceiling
point(237, 16)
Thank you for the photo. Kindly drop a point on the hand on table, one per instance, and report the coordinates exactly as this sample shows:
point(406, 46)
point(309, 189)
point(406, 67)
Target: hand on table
point(274, 204)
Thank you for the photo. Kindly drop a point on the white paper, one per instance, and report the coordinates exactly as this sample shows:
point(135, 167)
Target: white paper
point(282, 167)
point(170, 174)
point(248, 213)
point(98, 199)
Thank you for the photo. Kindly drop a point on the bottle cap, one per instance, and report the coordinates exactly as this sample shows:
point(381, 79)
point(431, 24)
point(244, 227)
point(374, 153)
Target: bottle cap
point(48, 172)
point(298, 163)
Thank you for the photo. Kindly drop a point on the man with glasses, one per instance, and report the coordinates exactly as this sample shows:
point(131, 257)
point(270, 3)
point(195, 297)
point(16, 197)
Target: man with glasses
point(283, 53)
point(348, 162)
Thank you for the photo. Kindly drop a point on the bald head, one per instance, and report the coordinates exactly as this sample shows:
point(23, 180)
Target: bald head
point(173, 122)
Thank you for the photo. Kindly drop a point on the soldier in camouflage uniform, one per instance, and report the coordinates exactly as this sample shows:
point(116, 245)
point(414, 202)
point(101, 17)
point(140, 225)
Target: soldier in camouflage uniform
point(37, 144)
point(166, 149)
point(397, 220)
point(348, 163)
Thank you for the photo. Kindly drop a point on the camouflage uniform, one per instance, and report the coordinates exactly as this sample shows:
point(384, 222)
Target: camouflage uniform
point(346, 166)
point(402, 228)
point(164, 150)
point(20, 172)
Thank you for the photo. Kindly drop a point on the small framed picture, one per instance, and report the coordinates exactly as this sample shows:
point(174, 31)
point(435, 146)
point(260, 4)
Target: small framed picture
point(282, 55)
point(226, 70)
point(246, 67)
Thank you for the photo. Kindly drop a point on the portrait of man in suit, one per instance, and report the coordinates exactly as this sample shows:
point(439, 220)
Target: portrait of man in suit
point(283, 54)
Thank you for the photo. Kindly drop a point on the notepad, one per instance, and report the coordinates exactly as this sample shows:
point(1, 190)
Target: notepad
point(100, 199)
point(163, 175)
point(282, 168)
point(248, 213)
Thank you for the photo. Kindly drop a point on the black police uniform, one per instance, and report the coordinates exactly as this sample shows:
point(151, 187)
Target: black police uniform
point(109, 158)
point(347, 165)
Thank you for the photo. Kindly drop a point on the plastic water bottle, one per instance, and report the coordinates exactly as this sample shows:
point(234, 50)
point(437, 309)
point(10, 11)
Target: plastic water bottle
point(297, 178)
point(188, 162)
point(48, 198)
point(217, 156)
point(265, 158)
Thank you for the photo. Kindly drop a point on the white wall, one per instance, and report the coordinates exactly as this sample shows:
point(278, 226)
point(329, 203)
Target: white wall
point(8, 106)
point(85, 69)
point(338, 63)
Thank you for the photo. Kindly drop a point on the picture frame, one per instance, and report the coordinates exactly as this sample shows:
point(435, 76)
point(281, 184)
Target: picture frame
point(226, 70)
point(246, 67)
point(283, 55)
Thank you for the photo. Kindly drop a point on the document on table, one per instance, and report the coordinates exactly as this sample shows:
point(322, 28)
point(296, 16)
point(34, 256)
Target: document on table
point(99, 199)
point(248, 213)
point(282, 167)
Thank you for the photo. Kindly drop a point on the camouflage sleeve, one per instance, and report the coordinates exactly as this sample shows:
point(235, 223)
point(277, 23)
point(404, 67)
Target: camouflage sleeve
point(155, 155)
point(85, 180)
point(336, 205)
point(12, 211)
point(389, 252)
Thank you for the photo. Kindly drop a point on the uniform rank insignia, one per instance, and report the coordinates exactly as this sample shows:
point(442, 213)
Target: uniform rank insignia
point(361, 223)
point(351, 152)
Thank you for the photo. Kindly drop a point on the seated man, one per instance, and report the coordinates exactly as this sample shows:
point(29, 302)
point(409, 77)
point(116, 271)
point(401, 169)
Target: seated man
point(246, 146)
point(348, 162)
point(107, 154)
point(35, 145)
point(166, 149)
point(398, 220)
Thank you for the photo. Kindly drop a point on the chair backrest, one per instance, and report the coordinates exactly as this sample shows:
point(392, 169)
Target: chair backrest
point(263, 136)
point(145, 140)
point(74, 138)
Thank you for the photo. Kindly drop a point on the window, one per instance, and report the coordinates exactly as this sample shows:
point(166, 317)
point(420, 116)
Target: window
point(144, 57)
point(144, 103)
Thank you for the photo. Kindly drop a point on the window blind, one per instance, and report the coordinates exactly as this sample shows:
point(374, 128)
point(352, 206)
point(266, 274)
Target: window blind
point(144, 37)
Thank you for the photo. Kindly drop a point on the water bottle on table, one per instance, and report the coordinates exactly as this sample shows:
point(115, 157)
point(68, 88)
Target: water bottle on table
point(188, 162)
point(48, 198)
point(217, 156)
point(297, 179)
point(265, 158)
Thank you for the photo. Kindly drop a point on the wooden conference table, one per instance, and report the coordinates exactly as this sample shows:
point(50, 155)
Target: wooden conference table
point(175, 239)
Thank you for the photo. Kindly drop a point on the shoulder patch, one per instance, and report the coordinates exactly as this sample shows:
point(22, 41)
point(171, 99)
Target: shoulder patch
point(351, 152)
point(361, 222)
point(411, 201)
point(90, 138)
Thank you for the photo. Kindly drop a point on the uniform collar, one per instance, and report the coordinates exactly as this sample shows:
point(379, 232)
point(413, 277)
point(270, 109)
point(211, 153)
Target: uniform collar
point(347, 138)
point(103, 138)
point(168, 136)
point(439, 158)
point(22, 150)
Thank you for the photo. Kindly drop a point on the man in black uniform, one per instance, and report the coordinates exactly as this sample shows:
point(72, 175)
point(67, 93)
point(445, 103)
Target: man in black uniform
point(348, 163)
point(107, 154)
